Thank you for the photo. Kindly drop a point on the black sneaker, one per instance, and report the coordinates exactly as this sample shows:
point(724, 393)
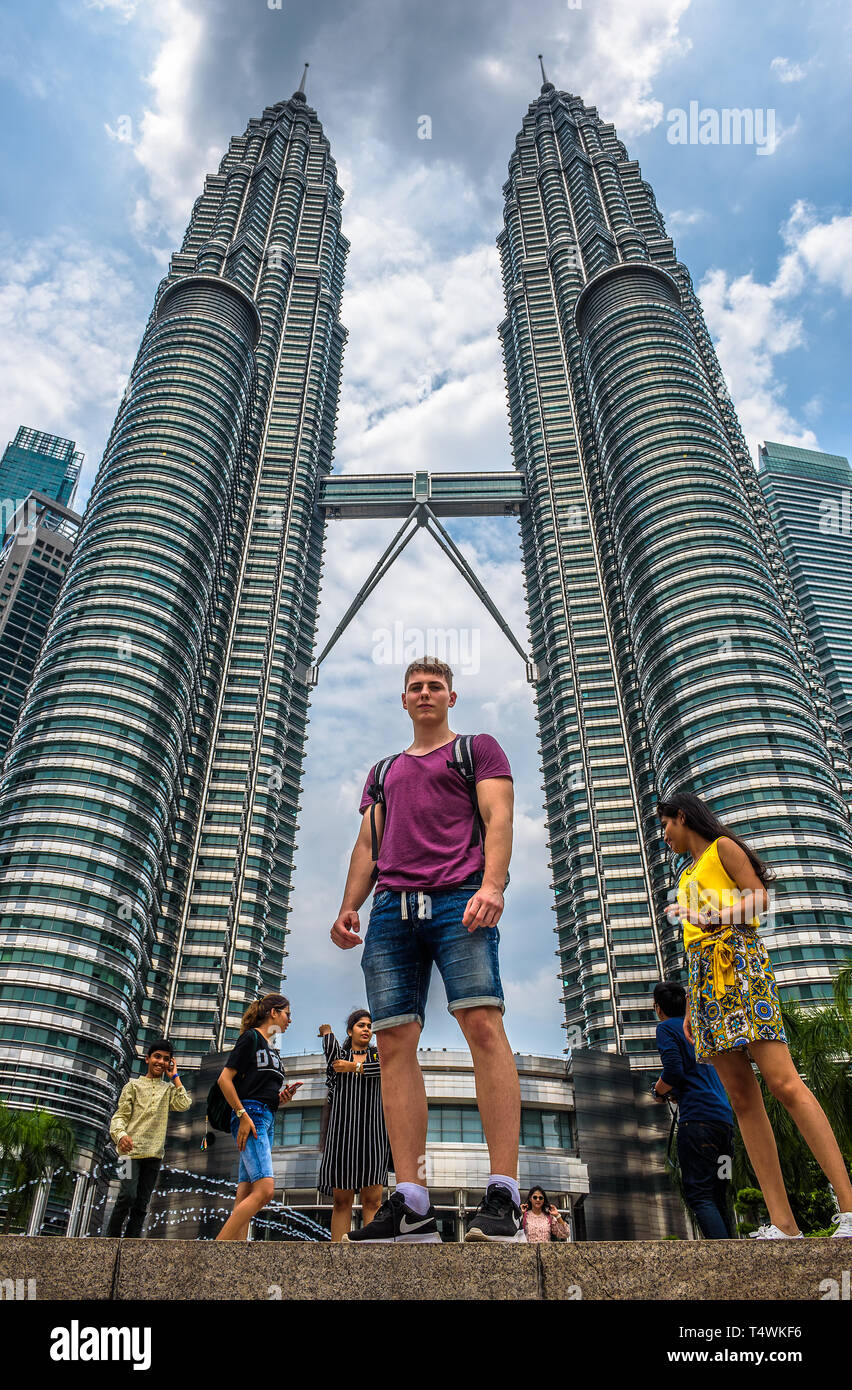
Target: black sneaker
point(396, 1222)
point(497, 1218)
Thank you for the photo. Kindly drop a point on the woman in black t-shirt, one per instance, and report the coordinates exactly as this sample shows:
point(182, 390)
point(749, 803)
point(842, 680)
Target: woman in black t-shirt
point(252, 1082)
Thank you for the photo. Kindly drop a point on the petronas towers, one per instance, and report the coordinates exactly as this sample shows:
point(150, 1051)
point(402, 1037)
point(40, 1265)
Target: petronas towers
point(149, 798)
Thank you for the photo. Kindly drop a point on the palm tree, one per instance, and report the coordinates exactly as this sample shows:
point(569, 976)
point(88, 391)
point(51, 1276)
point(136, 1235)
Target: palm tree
point(33, 1145)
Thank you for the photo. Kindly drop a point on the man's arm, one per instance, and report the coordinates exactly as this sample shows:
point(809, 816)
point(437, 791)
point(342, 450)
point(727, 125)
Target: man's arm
point(670, 1054)
point(496, 799)
point(359, 882)
point(179, 1099)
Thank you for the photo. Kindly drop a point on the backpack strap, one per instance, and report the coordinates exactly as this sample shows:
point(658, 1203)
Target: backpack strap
point(376, 793)
point(462, 761)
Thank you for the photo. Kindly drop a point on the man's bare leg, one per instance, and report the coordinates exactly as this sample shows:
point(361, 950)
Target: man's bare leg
point(404, 1100)
point(498, 1090)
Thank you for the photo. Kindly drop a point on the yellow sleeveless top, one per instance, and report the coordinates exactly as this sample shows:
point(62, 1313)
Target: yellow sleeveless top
point(707, 887)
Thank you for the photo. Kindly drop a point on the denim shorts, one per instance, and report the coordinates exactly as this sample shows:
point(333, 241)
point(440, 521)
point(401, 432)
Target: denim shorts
point(398, 954)
point(256, 1157)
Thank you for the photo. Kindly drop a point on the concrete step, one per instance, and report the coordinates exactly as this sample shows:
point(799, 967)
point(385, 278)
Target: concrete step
point(104, 1269)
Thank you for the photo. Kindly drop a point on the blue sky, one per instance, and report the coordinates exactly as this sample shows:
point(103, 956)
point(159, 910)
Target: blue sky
point(114, 111)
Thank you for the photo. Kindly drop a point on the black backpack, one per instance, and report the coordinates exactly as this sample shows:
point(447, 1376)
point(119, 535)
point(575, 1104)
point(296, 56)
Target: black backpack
point(461, 761)
point(219, 1111)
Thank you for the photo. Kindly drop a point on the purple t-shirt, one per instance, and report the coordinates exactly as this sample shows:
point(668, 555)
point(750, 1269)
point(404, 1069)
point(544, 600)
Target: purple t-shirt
point(429, 818)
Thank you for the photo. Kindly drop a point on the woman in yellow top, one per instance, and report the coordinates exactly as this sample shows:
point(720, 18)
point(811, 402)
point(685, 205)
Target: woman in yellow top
point(733, 1012)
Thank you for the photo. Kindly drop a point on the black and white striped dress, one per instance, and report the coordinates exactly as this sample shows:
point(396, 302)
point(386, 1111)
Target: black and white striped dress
point(357, 1153)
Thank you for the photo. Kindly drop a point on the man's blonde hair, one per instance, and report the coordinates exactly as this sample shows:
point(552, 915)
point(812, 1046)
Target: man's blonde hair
point(431, 666)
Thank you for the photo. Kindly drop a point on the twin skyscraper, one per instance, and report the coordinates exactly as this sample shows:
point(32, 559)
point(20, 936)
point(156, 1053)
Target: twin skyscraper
point(149, 798)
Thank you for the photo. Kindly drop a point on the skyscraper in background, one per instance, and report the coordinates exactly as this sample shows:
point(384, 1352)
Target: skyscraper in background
point(34, 556)
point(809, 496)
point(44, 462)
point(149, 799)
point(663, 618)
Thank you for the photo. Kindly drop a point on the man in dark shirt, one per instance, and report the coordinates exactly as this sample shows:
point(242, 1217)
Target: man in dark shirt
point(705, 1131)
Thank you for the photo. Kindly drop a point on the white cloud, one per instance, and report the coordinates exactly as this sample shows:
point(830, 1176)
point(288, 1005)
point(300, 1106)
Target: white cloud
point(170, 148)
point(824, 248)
point(535, 997)
point(70, 323)
point(754, 323)
point(679, 219)
point(787, 71)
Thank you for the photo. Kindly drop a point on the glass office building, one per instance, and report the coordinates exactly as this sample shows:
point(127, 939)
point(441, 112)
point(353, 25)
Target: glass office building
point(150, 794)
point(35, 553)
point(149, 798)
point(663, 618)
point(809, 496)
point(44, 462)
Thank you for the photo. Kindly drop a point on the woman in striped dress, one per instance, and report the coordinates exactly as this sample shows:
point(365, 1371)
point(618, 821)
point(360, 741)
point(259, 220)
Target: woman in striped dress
point(357, 1153)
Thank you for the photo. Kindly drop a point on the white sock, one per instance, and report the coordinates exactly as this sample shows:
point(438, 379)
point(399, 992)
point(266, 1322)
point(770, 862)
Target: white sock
point(416, 1196)
point(504, 1181)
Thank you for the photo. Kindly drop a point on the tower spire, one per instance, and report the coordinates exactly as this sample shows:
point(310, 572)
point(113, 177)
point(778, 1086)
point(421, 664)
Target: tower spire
point(299, 94)
point(545, 85)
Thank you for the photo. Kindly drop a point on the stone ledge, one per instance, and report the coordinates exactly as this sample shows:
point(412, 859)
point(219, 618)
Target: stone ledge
point(100, 1269)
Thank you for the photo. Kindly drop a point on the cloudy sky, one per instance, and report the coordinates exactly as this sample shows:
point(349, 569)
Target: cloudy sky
point(114, 111)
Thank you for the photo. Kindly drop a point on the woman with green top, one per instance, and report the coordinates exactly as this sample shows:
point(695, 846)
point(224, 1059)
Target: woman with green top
point(733, 1013)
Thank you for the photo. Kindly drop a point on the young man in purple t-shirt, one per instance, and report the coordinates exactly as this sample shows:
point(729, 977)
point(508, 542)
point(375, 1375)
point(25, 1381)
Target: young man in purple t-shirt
point(439, 897)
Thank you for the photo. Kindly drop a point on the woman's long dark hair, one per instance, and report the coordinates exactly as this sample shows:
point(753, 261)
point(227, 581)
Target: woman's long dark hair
point(354, 1017)
point(699, 817)
point(259, 1011)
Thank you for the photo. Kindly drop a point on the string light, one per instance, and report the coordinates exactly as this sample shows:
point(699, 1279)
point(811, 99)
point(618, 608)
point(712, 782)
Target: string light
point(289, 1220)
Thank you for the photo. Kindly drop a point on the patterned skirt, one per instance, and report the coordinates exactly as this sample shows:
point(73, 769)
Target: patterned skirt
point(733, 997)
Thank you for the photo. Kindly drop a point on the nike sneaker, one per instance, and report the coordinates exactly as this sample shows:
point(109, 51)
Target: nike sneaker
point(843, 1222)
point(396, 1222)
point(497, 1218)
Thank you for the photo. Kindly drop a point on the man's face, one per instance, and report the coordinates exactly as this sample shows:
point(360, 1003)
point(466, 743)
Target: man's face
point(158, 1063)
point(427, 698)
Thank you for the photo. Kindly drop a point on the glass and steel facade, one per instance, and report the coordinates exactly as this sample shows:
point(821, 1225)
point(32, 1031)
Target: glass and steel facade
point(149, 798)
point(42, 462)
point(33, 560)
point(809, 496)
point(663, 618)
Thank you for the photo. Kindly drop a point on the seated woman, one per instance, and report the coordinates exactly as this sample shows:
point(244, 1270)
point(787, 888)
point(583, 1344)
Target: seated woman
point(541, 1221)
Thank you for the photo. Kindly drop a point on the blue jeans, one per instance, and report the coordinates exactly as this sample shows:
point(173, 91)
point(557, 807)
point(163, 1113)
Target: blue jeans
point(399, 951)
point(700, 1148)
point(256, 1157)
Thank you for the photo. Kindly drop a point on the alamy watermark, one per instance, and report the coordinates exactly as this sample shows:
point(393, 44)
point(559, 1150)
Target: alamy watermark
point(19, 515)
point(730, 126)
point(76, 1343)
point(835, 514)
point(17, 1289)
point(459, 647)
point(835, 1290)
